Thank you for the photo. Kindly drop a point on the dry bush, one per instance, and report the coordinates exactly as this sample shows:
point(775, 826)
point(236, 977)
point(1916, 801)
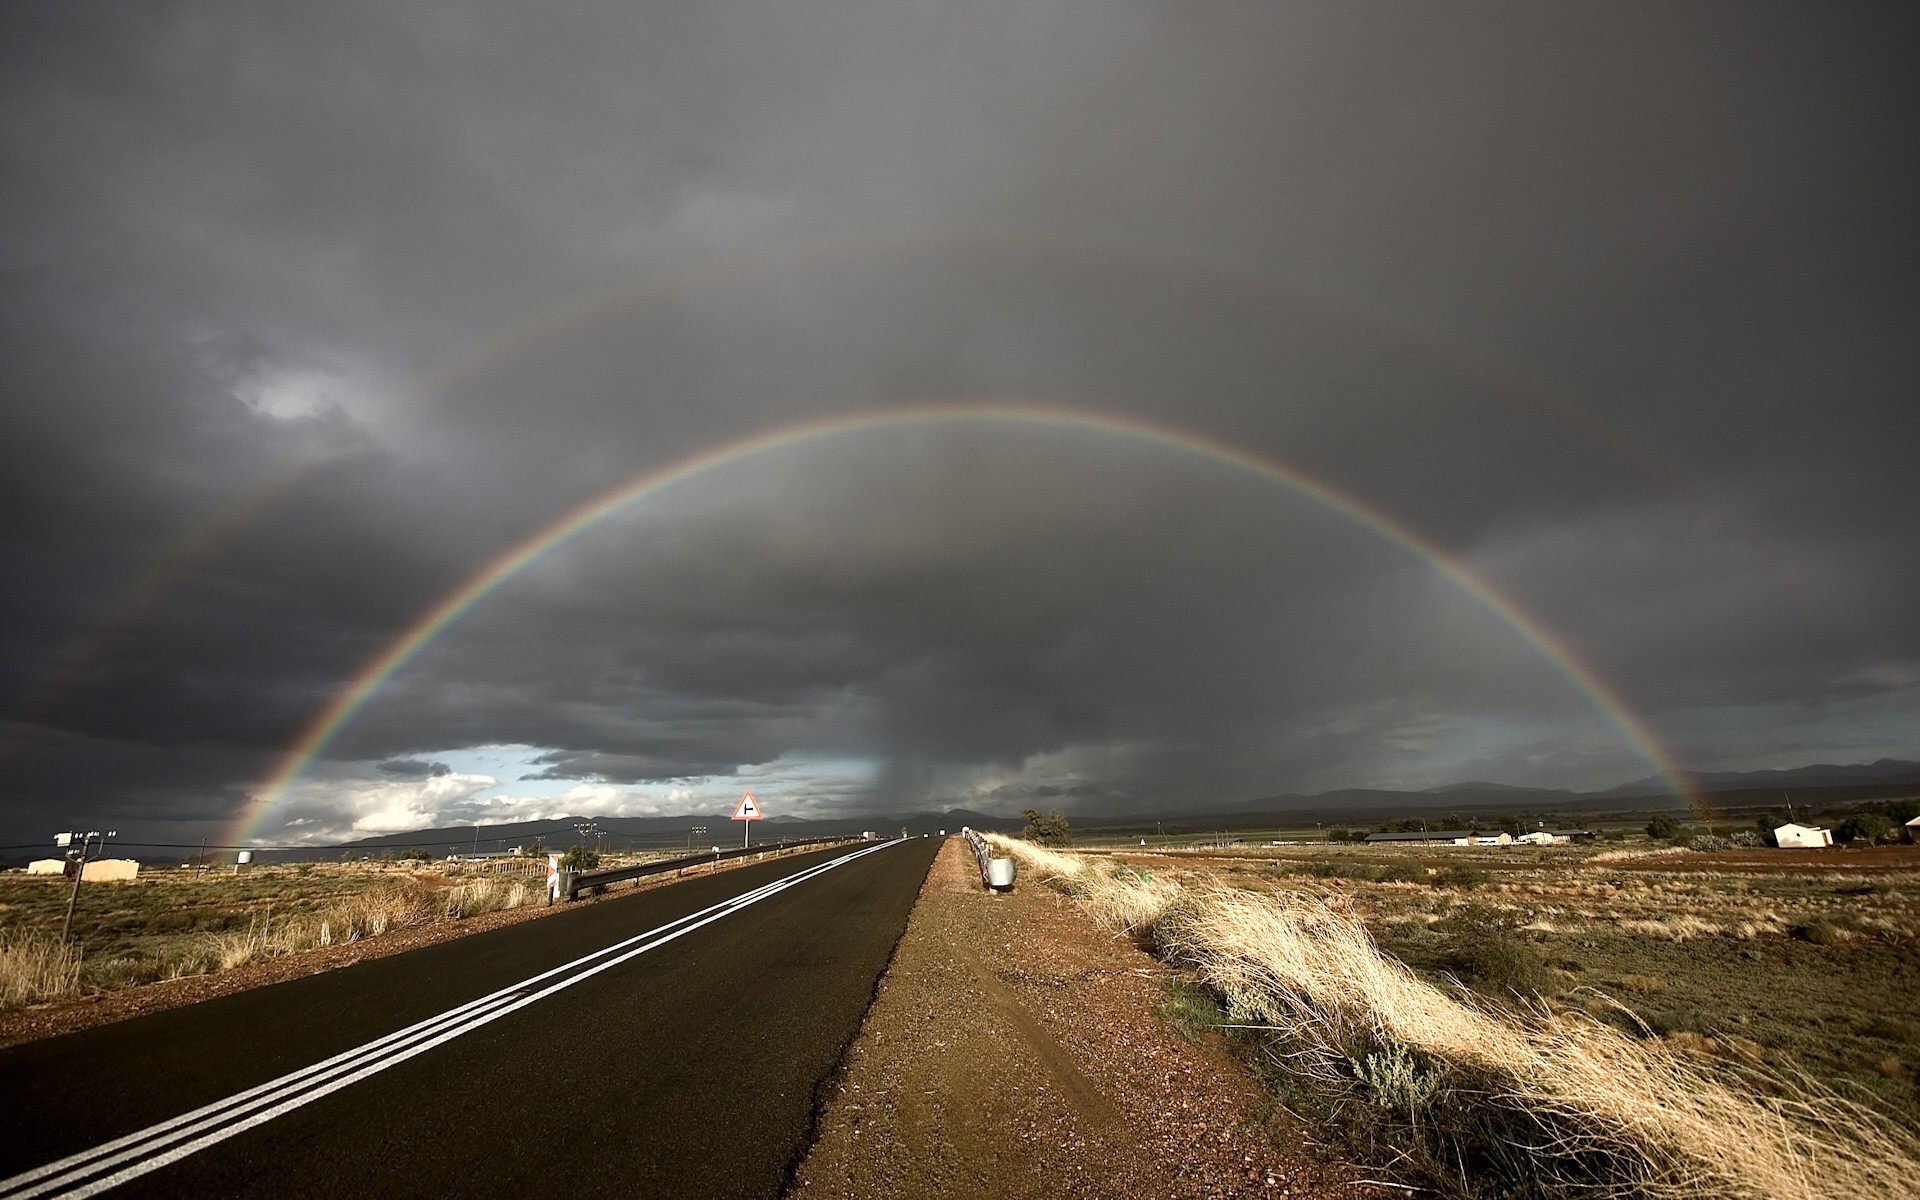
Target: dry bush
point(394, 904)
point(36, 967)
point(1542, 1102)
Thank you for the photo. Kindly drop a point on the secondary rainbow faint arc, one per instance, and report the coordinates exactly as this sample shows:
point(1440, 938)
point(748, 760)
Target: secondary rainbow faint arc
point(342, 709)
point(177, 555)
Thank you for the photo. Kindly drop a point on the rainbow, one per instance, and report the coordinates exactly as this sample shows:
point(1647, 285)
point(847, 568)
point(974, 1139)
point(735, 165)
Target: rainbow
point(351, 698)
point(198, 542)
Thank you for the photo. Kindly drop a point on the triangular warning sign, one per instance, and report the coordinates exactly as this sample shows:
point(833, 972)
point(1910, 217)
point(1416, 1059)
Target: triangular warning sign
point(748, 810)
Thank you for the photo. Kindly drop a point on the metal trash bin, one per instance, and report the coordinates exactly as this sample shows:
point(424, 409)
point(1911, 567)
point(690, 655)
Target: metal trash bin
point(1000, 874)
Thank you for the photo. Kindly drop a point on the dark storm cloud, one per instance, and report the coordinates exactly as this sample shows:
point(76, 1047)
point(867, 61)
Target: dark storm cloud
point(1616, 305)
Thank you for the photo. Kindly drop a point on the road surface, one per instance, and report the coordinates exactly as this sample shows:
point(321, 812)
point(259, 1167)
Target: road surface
point(666, 1043)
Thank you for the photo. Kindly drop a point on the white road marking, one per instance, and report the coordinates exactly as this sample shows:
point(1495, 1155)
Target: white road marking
point(308, 1084)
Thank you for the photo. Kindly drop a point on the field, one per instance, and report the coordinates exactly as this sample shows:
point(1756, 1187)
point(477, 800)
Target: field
point(1615, 1019)
point(171, 923)
point(1803, 960)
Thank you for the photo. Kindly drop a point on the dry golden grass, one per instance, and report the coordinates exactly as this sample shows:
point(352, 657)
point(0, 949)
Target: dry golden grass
point(391, 905)
point(1306, 968)
point(36, 967)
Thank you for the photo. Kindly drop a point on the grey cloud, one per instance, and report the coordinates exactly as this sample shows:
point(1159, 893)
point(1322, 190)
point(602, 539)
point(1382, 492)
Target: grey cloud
point(307, 315)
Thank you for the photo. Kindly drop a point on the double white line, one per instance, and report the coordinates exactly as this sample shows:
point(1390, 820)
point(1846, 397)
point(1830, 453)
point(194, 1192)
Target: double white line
point(170, 1141)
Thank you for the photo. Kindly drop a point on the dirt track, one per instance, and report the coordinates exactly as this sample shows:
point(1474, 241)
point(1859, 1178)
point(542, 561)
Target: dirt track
point(1013, 1050)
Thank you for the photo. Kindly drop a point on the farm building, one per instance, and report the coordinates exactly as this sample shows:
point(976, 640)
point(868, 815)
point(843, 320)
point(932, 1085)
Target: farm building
point(1802, 837)
point(100, 870)
point(1913, 830)
point(1442, 837)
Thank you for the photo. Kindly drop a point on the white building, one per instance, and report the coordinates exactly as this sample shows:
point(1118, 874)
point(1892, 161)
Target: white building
point(98, 870)
point(1802, 837)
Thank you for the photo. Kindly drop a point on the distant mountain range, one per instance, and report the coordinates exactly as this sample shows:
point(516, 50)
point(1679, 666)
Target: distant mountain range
point(1358, 805)
point(624, 833)
point(1886, 770)
point(1819, 783)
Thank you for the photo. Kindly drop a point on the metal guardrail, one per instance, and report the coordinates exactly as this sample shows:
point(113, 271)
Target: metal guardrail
point(572, 883)
point(982, 852)
point(998, 880)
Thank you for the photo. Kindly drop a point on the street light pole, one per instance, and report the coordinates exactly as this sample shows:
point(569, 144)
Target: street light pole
point(80, 868)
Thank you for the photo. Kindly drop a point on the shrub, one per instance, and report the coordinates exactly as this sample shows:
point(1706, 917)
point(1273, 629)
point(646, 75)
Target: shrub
point(1821, 932)
point(1868, 827)
point(1048, 829)
point(1484, 944)
point(579, 858)
point(1708, 841)
point(1190, 1009)
point(1663, 827)
point(1403, 872)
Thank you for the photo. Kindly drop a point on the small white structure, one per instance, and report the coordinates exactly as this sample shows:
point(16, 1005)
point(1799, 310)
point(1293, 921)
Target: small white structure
point(1802, 837)
point(1541, 837)
point(1913, 830)
point(1490, 839)
point(110, 870)
point(47, 866)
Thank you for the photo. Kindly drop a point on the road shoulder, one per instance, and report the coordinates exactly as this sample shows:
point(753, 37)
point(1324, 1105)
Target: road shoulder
point(1013, 1050)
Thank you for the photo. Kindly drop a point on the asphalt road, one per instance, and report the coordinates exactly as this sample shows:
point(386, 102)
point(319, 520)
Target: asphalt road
point(662, 1044)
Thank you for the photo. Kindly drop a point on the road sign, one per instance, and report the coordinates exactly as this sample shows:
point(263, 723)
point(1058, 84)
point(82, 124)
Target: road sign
point(553, 877)
point(749, 812)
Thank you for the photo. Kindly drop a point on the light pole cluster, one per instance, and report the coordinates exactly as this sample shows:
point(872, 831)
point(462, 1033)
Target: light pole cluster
point(78, 858)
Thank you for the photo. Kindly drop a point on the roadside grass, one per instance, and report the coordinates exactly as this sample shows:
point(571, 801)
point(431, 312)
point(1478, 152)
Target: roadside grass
point(1494, 1090)
point(174, 924)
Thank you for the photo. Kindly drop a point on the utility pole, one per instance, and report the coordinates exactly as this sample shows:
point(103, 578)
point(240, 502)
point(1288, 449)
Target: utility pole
point(79, 866)
point(699, 829)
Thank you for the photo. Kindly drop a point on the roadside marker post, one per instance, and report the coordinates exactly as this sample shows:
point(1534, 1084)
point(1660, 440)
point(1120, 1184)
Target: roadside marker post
point(553, 878)
point(747, 811)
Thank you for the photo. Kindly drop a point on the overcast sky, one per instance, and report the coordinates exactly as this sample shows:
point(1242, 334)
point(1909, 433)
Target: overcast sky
point(312, 311)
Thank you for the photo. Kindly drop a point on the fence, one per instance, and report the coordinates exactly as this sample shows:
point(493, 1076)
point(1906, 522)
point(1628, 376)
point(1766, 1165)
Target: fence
point(572, 883)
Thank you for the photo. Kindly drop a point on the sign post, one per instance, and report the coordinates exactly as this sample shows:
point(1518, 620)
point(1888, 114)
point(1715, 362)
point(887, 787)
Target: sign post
point(553, 878)
point(747, 812)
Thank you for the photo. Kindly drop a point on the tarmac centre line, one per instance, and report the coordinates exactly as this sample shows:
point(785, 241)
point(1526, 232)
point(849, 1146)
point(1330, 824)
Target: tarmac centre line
point(216, 1122)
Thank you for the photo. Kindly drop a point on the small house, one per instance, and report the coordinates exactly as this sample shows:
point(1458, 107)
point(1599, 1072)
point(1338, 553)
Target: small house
point(47, 866)
point(1913, 830)
point(1801, 837)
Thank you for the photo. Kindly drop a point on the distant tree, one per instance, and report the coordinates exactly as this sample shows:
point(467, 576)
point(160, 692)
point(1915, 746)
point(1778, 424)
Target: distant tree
point(1512, 825)
point(1663, 828)
point(1048, 829)
point(1868, 827)
point(579, 858)
point(1453, 821)
point(419, 854)
point(346, 856)
point(534, 849)
point(1343, 835)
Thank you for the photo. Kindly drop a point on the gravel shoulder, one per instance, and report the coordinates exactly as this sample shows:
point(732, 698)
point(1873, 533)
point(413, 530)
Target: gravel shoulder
point(1013, 1050)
